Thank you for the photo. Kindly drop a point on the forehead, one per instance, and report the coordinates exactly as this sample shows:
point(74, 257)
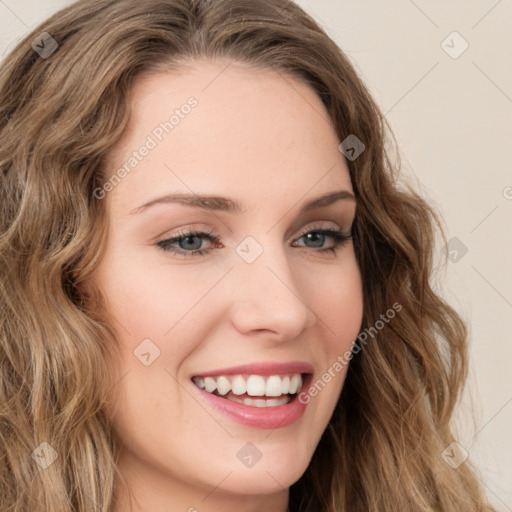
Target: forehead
point(218, 126)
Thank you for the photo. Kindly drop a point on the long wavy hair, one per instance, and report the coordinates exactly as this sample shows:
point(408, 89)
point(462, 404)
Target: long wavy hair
point(60, 113)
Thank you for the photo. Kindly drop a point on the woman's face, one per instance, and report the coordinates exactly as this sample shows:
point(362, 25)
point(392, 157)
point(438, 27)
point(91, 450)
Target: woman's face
point(264, 298)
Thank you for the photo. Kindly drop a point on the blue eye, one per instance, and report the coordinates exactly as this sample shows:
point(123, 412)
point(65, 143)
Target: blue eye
point(190, 243)
point(193, 242)
point(317, 236)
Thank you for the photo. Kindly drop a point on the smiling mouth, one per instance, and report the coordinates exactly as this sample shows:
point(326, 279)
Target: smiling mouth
point(253, 390)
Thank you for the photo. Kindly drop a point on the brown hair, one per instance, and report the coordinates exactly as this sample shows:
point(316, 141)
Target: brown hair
point(60, 113)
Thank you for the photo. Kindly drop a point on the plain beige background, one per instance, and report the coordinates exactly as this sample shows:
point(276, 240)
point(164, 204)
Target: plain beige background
point(450, 108)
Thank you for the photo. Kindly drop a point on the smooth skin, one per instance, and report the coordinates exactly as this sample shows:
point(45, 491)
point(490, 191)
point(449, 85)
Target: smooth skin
point(263, 139)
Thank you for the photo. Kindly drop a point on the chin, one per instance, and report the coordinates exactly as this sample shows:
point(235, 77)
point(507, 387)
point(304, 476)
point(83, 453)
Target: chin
point(262, 481)
point(277, 469)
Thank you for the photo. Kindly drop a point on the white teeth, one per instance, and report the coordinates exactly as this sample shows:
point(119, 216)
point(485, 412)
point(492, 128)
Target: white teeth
point(254, 385)
point(295, 383)
point(285, 385)
point(270, 402)
point(210, 384)
point(223, 385)
point(273, 386)
point(273, 402)
point(238, 385)
point(200, 382)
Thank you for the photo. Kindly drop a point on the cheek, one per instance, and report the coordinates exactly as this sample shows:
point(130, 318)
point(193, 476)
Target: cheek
point(336, 296)
point(160, 301)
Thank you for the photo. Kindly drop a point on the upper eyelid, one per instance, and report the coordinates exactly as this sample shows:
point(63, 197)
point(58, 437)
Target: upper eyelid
point(206, 232)
point(319, 227)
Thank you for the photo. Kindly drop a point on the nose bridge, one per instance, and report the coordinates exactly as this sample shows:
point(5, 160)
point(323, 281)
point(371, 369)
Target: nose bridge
point(268, 296)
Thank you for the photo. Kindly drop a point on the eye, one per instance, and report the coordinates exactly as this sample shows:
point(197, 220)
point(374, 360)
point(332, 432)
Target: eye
point(316, 237)
point(193, 242)
point(188, 243)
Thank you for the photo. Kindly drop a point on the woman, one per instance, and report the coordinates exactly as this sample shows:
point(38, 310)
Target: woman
point(215, 296)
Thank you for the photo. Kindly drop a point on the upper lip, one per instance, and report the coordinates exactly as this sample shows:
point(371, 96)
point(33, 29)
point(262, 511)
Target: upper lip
point(261, 368)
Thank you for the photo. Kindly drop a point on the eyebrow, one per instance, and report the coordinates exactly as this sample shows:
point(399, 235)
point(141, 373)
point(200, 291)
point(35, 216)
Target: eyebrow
point(226, 204)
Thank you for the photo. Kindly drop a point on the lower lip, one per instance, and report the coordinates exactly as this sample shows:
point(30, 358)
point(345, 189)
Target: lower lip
point(257, 417)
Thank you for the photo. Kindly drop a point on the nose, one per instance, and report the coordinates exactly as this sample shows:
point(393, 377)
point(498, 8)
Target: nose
point(268, 300)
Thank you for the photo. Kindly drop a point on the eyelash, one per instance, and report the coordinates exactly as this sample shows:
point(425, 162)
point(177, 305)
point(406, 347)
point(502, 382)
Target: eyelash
point(337, 235)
